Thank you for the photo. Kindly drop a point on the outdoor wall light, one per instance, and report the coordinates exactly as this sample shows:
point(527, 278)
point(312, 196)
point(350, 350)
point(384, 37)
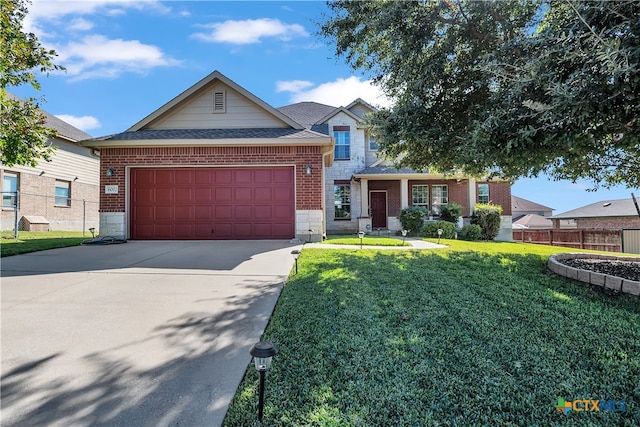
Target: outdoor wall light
point(308, 169)
point(361, 236)
point(109, 172)
point(262, 352)
point(404, 235)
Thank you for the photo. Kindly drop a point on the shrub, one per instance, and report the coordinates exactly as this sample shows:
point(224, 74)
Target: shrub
point(470, 232)
point(431, 229)
point(412, 218)
point(487, 216)
point(450, 212)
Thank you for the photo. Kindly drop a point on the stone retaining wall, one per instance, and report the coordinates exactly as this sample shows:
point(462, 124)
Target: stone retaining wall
point(614, 283)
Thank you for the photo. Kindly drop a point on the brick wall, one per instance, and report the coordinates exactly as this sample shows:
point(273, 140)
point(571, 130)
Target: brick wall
point(499, 194)
point(609, 223)
point(308, 187)
point(37, 198)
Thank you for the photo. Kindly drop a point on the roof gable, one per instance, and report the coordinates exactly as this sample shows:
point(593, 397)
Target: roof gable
point(360, 107)
point(518, 204)
point(337, 111)
point(193, 109)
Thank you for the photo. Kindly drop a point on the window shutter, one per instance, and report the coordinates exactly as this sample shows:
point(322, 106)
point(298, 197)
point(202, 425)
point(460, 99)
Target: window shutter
point(219, 102)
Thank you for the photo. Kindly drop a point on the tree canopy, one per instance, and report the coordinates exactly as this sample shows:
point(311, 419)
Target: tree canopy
point(509, 89)
point(23, 134)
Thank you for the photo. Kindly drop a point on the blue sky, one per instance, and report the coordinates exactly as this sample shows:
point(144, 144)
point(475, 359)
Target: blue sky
point(125, 59)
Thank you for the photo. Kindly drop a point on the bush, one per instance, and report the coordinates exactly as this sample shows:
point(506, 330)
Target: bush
point(412, 218)
point(450, 212)
point(470, 232)
point(431, 229)
point(487, 216)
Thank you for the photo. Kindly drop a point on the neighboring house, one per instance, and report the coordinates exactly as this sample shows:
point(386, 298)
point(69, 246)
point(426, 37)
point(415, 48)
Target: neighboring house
point(607, 214)
point(521, 207)
point(216, 162)
point(61, 194)
point(532, 221)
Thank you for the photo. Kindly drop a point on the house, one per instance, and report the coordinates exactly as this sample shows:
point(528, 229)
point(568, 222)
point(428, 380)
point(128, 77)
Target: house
point(217, 162)
point(521, 207)
point(607, 214)
point(532, 221)
point(61, 194)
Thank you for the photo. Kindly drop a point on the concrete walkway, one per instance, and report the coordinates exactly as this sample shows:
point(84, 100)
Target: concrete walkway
point(138, 334)
point(415, 244)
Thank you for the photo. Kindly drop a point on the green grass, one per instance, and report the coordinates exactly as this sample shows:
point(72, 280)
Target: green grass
point(475, 334)
point(29, 241)
point(366, 241)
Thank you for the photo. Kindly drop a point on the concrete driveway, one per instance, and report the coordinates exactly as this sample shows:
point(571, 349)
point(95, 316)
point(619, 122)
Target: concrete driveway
point(137, 334)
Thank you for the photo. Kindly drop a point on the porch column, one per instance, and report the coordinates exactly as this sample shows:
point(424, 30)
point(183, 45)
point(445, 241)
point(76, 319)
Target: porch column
point(472, 195)
point(364, 197)
point(404, 193)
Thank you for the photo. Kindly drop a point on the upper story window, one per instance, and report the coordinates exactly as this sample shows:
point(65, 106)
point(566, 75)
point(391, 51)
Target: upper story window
point(420, 196)
point(373, 145)
point(342, 136)
point(63, 193)
point(9, 189)
point(483, 193)
point(439, 197)
point(342, 201)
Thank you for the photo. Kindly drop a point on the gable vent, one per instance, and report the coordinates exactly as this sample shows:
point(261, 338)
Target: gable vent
point(219, 102)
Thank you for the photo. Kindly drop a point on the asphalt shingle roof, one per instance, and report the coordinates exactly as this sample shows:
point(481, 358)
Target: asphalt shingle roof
point(267, 133)
point(307, 113)
point(383, 169)
point(605, 208)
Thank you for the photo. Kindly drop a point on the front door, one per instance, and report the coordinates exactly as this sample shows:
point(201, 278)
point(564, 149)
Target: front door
point(378, 209)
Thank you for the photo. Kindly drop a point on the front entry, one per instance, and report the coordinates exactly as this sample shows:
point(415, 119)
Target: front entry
point(378, 203)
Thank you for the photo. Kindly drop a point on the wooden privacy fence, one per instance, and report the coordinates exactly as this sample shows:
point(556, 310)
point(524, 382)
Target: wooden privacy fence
point(600, 240)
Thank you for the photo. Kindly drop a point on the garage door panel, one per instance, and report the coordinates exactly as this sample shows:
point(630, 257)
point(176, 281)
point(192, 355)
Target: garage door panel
point(212, 203)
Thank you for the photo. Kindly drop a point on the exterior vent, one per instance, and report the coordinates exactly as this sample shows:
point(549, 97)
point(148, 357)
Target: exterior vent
point(219, 102)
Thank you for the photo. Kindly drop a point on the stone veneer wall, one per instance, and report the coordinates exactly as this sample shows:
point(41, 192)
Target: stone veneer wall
point(606, 281)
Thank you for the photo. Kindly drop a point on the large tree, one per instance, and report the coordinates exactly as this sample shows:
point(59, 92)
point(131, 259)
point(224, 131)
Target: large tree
point(23, 133)
point(511, 89)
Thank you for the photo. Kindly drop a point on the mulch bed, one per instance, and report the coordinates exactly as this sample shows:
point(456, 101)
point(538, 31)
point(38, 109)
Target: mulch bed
point(625, 269)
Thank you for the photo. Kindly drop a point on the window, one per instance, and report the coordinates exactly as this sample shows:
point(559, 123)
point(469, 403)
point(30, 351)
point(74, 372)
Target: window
point(420, 196)
point(373, 145)
point(63, 193)
point(439, 197)
point(342, 136)
point(219, 104)
point(342, 201)
point(9, 189)
point(483, 193)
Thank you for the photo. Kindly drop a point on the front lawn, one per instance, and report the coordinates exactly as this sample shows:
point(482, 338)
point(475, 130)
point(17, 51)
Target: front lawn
point(30, 241)
point(366, 241)
point(476, 334)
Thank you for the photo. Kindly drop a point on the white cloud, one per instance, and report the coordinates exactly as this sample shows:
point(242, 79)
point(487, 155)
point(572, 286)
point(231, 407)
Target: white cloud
point(340, 92)
point(84, 123)
point(294, 86)
point(97, 56)
point(250, 31)
point(80, 24)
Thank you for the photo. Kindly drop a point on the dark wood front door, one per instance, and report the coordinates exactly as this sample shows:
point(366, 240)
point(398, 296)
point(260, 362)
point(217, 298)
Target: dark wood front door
point(378, 209)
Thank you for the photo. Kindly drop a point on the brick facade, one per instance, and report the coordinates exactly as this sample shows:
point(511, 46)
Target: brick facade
point(308, 187)
point(608, 223)
point(500, 194)
point(457, 191)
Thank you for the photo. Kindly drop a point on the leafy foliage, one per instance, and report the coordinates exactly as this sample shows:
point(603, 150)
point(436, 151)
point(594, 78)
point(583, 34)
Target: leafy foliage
point(509, 89)
point(450, 212)
point(430, 229)
point(487, 217)
point(412, 218)
point(477, 334)
point(23, 134)
point(470, 232)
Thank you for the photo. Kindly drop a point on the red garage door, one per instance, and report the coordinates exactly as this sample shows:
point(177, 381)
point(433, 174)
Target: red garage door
point(212, 203)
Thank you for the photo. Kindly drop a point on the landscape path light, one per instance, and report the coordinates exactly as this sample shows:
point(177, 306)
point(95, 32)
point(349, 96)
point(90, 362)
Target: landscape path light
point(361, 236)
point(439, 234)
point(262, 352)
point(404, 235)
